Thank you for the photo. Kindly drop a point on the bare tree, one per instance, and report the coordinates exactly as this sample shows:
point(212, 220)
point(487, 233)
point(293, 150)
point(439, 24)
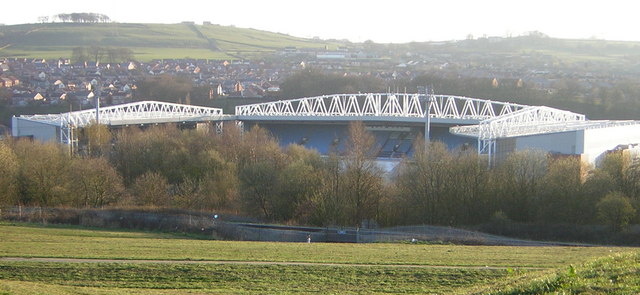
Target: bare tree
point(258, 188)
point(362, 178)
point(151, 189)
point(8, 175)
point(560, 193)
point(97, 138)
point(44, 173)
point(95, 183)
point(517, 183)
point(615, 210)
point(327, 205)
point(299, 181)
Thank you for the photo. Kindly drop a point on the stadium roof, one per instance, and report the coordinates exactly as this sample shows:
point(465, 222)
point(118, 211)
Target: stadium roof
point(494, 119)
point(379, 106)
point(533, 120)
point(142, 112)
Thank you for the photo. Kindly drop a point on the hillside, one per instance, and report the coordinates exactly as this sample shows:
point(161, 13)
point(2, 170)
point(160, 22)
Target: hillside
point(148, 41)
point(599, 78)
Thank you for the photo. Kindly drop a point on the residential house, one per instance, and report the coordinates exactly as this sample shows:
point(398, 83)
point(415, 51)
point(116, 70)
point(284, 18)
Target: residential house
point(6, 82)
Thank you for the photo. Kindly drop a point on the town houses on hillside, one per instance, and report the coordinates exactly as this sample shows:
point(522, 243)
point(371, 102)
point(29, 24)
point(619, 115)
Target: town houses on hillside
point(38, 81)
point(52, 81)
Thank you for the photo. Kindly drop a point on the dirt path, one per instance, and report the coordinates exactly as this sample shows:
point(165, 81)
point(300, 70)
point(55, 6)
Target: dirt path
point(137, 261)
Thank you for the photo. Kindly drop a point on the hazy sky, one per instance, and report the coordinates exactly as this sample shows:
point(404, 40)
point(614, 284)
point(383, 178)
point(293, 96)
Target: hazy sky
point(359, 20)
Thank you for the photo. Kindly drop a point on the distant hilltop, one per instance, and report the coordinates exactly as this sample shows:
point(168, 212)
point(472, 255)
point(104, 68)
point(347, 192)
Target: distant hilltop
point(147, 41)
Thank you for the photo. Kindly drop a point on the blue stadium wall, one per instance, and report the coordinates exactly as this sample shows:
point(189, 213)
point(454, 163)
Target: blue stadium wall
point(392, 140)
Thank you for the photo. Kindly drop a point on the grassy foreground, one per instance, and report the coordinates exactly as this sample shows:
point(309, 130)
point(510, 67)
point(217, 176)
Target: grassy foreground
point(71, 242)
point(616, 274)
point(258, 279)
point(359, 268)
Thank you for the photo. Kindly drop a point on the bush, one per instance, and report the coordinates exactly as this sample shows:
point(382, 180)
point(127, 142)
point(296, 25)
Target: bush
point(500, 218)
point(615, 210)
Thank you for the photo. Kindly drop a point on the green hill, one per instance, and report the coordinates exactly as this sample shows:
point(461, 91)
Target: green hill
point(148, 41)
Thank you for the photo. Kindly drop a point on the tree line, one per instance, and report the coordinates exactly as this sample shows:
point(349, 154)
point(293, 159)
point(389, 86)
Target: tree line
point(249, 173)
point(77, 17)
point(99, 53)
point(83, 17)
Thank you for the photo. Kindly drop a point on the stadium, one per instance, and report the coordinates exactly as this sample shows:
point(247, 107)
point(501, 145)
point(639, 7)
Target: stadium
point(494, 128)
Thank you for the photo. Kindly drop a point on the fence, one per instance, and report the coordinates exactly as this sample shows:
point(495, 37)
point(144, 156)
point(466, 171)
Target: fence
point(232, 227)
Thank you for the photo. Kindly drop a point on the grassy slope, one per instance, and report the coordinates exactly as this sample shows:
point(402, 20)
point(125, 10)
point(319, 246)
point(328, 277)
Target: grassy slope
point(615, 274)
point(232, 38)
point(147, 40)
point(151, 41)
point(541, 53)
point(270, 279)
point(128, 278)
point(35, 241)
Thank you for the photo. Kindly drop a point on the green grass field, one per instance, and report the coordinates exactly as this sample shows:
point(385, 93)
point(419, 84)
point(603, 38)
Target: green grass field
point(274, 279)
point(615, 274)
point(222, 267)
point(37, 241)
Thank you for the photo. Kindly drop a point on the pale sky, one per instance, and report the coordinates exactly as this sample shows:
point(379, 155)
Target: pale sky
point(359, 20)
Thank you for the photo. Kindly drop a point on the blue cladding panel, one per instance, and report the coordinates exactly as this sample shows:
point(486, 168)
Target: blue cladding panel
point(392, 143)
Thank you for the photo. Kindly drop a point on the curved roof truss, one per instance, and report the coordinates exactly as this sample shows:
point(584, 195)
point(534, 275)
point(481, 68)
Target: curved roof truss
point(527, 121)
point(133, 113)
point(382, 105)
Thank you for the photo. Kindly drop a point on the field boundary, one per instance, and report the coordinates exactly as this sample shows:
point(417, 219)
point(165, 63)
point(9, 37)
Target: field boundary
point(237, 228)
point(226, 262)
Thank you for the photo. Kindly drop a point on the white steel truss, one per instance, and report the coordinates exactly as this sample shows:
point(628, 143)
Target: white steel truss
point(143, 112)
point(133, 113)
point(382, 105)
point(527, 121)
